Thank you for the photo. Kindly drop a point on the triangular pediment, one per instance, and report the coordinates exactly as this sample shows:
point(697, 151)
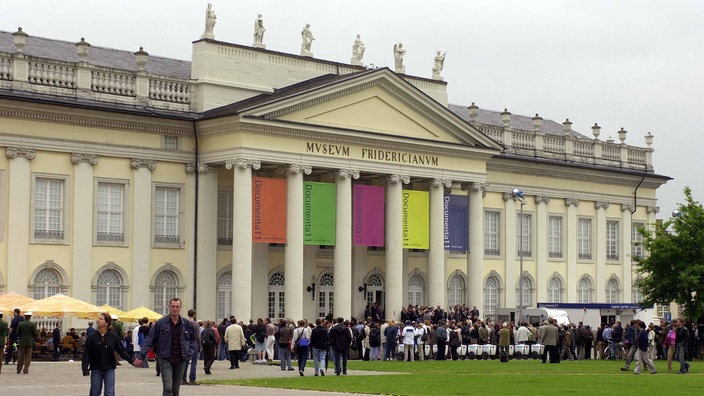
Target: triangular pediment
point(376, 102)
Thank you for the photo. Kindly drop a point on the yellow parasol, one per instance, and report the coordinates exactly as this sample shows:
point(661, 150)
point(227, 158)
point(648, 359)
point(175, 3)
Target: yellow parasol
point(61, 305)
point(139, 313)
point(112, 310)
point(10, 301)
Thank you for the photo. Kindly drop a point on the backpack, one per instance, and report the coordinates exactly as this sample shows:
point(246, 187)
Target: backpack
point(425, 335)
point(207, 338)
point(374, 337)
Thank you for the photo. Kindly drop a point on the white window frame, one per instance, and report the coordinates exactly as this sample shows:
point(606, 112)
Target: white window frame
point(555, 232)
point(492, 237)
point(161, 294)
point(108, 290)
point(177, 239)
point(64, 216)
point(225, 217)
point(636, 238)
point(224, 295)
point(125, 215)
point(170, 142)
point(491, 297)
point(613, 240)
point(456, 290)
point(581, 292)
point(416, 291)
point(554, 294)
point(612, 294)
point(585, 242)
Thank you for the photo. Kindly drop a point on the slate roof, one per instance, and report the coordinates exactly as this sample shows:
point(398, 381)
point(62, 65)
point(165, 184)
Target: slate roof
point(101, 56)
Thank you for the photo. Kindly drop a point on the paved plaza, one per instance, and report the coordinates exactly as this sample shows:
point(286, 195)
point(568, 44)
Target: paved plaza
point(65, 378)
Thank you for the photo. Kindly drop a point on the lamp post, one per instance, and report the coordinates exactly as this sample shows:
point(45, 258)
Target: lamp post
point(518, 194)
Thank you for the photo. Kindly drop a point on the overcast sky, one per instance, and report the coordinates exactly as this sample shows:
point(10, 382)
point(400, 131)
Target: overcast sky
point(636, 64)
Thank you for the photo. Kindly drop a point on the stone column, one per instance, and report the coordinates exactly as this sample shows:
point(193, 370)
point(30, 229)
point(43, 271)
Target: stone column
point(242, 235)
point(541, 254)
point(626, 259)
point(475, 264)
point(600, 259)
point(293, 255)
point(82, 243)
point(652, 212)
point(19, 217)
point(394, 246)
point(342, 264)
point(206, 255)
point(141, 234)
point(511, 251)
point(437, 291)
point(571, 241)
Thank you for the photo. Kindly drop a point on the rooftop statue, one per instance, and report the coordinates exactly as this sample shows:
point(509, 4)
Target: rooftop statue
point(259, 32)
point(307, 37)
point(357, 52)
point(399, 53)
point(209, 23)
point(438, 64)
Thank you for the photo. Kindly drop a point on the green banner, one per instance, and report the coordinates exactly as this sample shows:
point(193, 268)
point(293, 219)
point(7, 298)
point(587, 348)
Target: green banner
point(319, 213)
point(416, 219)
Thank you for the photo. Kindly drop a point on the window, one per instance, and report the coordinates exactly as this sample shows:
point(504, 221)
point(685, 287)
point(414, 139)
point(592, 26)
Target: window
point(554, 290)
point(491, 296)
point(584, 291)
point(46, 284)
point(109, 289)
point(49, 208)
point(166, 219)
point(170, 142)
point(636, 294)
point(276, 295)
point(491, 233)
point(456, 291)
point(523, 294)
point(612, 291)
point(523, 236)
point(165, 288)
point(663, 309)
point(326, 294)
point(555, 237)
point(636, 240)
point(224, 295)
point(225, 218)
point(612, 240)
point(109, 220)
point(416, 288)
point(584, 239)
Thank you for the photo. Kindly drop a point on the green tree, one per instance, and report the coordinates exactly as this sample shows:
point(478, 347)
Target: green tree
point(673, 263)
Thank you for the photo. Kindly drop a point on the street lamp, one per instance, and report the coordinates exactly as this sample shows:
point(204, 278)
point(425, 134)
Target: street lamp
point(518, 194)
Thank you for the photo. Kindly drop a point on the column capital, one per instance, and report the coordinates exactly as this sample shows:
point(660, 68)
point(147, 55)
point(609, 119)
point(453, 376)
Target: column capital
point(542, 199)
point(77, 158)
point(14, 152)
point(601, 205)
point(438, 182)
point(293, 169)
point(628, 207)
point(652, 209)
point(136, 163)
point(507, 196)
point(395, 179)
point(475, 187)
point(346, 173)
point(200, 167)
point(571, 202)
point(242, 163)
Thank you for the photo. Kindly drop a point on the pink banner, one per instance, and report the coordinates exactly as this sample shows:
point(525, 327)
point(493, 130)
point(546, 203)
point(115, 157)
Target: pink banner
point(368, 215)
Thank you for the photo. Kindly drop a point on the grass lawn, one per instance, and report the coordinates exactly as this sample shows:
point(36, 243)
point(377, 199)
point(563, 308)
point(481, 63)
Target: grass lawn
point(471, 376)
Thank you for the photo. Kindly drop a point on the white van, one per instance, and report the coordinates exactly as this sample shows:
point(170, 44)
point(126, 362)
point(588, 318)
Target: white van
point(533, 315)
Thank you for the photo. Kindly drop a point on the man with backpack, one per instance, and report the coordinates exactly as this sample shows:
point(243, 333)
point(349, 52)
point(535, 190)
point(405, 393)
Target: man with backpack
point(340, 337)
point(209, 342)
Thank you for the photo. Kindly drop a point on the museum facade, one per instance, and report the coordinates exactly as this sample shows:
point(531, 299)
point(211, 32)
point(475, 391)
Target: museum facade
point(258, 183)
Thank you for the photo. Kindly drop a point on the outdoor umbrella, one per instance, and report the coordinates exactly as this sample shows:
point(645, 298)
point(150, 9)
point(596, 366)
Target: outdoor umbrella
point(61, 305)
point(139, 313)
point(111, 310)
point(10, 301)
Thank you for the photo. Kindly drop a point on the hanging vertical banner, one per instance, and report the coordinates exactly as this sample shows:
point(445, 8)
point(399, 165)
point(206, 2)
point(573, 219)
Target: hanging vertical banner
point(368, 215)
point(319, 213)
point(416, 219)
point(456, 211)
point(268, 210)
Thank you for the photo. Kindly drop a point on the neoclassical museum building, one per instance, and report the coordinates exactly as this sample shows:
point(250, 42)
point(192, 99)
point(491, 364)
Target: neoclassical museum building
point(259, 183)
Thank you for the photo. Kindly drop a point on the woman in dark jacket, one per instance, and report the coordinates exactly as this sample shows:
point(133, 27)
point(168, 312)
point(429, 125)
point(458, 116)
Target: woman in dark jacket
point(99, 356)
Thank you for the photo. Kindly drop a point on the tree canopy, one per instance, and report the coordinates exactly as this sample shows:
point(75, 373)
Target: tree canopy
point(672, 267)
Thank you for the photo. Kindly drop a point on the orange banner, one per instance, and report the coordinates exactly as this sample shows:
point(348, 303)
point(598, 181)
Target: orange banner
point(268, 210)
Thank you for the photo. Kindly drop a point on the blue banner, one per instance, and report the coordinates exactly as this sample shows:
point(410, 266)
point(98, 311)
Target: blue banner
point(456, 212)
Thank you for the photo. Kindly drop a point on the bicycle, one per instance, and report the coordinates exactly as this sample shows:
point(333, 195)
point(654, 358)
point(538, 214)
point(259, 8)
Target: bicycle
point(619, 351)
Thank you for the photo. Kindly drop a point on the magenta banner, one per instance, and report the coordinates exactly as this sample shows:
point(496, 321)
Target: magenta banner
point(368, 215)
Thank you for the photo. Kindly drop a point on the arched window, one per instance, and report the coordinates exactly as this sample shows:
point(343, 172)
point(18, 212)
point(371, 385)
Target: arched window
point(636, 294)
point(612, 291)
point(554, 290)
point(224, 295)
point(109, 289)
point(491, 296)
point(456, 288)
point(375, 289)
point(276, 295)
point(584, 291)
point(326, 294)
point(46, 284)
point(165, 288)
point(416, 290)
point(523, 294)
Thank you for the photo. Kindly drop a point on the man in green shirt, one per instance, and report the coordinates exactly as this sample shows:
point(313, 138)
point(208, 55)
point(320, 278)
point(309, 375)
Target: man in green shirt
point(3, 336)
point(26, 333)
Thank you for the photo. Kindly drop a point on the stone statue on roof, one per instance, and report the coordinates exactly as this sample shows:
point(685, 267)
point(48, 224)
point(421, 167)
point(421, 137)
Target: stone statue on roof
point(399, 53)
point(438, 64)
point(357, 52)
point(259, 32)
point(307, 41)
point(209, 23)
